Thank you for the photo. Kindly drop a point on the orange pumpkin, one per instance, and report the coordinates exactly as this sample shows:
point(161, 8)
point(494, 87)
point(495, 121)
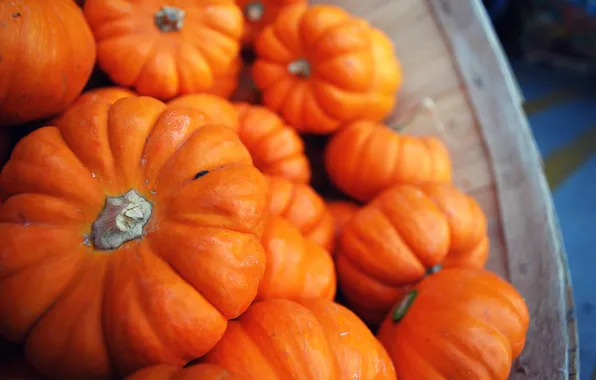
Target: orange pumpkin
point(365, 157)
point(48, 54)
point(459, 323)
point(320, 67)
point(297, 268)
point(226, 83)
point(194, 372)
point(160, 48)
point(260, 13)
point(404, 232)
point(141, 226)
point(342, 212)
point(315, 340)
point(275, 147)
point(213, 108)
point(304, 208)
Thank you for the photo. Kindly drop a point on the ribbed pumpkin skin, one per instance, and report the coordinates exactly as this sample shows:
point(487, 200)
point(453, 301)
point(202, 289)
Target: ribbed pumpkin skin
point(364, 158)
point(315, 340)
point(215, 109)
point(464, 323)
point(226, 83)
point(276, 148)
point(297, 268)
point(303, 207)
point(194, 372)
point(390, 243)
point(342, 212)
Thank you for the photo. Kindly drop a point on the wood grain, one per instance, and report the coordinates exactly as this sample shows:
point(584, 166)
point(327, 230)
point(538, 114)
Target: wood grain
point(449, 52)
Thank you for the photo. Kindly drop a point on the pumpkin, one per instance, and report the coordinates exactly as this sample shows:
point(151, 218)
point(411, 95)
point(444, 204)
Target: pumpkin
point(459, 323)
point(160, 48)
point(213, 108)
point(404, 232)
point(275, 147)
point(258, 14)
point(48, 54)
point(317, 339)
point(297, 268)
point(365, 157)
point(341, 212)
point(141, 226)
point(320, 67)
point(304, 208)
point(194, 372)
point(226, 83)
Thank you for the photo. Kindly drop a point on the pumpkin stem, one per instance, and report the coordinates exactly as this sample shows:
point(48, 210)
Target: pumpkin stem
point(433, 270)
point(169, 19)
point(121, 220)
point(299, 67)
point(402, 308)
point(429, 105)
point(254, 11)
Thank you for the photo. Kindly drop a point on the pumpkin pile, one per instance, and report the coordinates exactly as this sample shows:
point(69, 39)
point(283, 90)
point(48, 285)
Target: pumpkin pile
point(162, 223)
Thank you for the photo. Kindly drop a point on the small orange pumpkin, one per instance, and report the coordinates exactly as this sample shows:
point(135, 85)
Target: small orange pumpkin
point(304, 208)
point(48, 54)
point(365, 157)
point(226, 83)
point(313, 340)
point(275, 147)
point(260, 13)
point(297, 268)
point(214, 109)
point(342, 212)
point(160, 48)
point(193, 372)
point(317, 83)
point(459, 323)
point(404, 232)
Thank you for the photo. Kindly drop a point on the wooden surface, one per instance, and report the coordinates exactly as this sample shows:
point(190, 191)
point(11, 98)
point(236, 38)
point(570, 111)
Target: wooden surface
point(449, 52)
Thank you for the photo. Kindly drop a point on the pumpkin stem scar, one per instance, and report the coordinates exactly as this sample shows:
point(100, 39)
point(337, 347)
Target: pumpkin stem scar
point(169, 19)
point(254, 11)
point(402, 308)
point(299, 67)
point(121, 220)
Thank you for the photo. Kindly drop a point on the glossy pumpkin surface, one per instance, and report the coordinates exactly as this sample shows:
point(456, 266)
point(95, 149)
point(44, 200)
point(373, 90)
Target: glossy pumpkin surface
point(214, 109)
point(143, 223)
point(459, 323)
point(48, 54)
point(158, 47)
point(281, 339)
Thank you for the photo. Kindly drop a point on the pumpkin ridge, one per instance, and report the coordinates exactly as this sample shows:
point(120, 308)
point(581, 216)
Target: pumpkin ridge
point(70, 56)
point(357, 175)
point(147, 58)
point(414, 350)
point(273, 131)
point(330, 27)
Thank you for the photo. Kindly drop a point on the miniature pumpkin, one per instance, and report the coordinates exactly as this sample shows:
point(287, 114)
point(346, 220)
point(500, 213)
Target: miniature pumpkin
point(48, 54)
point(160, 48)
point(226, 83)
point(141, 226)
point(364, 158)
point(304, 208)
point(297, 268)
point(315, 340)
point(404, 232)
point(320, 67)
point(213, 108)
point(259, 13)
point(193, 372)
point(342, 212)
point(459, 323)
point(275, 147)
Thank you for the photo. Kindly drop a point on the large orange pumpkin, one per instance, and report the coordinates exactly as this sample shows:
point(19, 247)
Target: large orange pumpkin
point(459, 323)
point(48, 54)
point(342, 212)
point(297, 268)
point(318, 340)
point(213, 108)
point(275, 147)
point(224, 84)
point(193, 372)
point(260, 13)
point(404, 232)
point(320, 67)
point(304, 208)
point(160, 48)
point(364, 158)
point(141, 226)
